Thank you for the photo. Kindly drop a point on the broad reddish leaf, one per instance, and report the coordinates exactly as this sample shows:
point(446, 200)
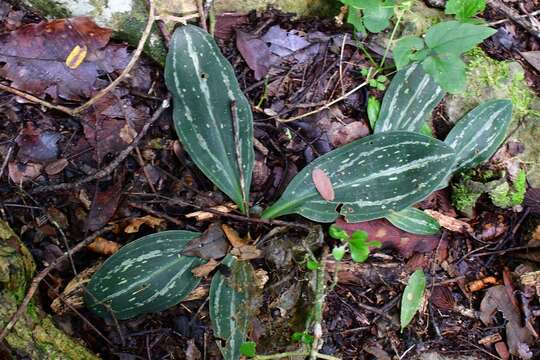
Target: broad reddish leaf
point(392, 237)
point(255, 52)
point(323, 184)
point(104, 205)
point(36, 57)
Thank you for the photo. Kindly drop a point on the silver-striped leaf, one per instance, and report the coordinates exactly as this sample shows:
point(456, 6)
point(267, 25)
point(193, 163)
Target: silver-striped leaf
point(414, 221)
point(211, 115)
point(231, 305)
point(144, 276)
point(370, 177)
point(409, 100)
point(478, 135)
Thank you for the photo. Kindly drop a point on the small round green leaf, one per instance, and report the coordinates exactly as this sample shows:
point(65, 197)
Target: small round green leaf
point(248, 348)
point(338, 252)
point(337, 233)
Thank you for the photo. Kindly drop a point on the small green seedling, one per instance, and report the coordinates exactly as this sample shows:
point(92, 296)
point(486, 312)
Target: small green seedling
point(248, 349)
point(378, 83)
point(302, 337)
point(357, 244)
point(373, 110)
point(412, 297)
point(311, 263)
point(371, 15)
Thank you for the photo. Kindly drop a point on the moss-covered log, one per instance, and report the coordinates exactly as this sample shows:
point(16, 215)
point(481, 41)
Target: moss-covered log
point(35, 334)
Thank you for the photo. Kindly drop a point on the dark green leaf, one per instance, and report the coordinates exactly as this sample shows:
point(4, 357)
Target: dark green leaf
point(412, 297)
point(145, 276)
point(414, 221)
point(404, 50)
point(448, 70)
point(455, 37)
point(410, 98)
point(206, 93)
point(478, 135)
point(231, 303)
point(370, 177)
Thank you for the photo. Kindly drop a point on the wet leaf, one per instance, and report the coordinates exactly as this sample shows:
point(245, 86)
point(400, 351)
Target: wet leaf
point(412, 297)
point(255, 52)
point(36, 145)
point(323, 184)
point(210, 245)
point(104, 205)
point(20, 173)
point(36, 55)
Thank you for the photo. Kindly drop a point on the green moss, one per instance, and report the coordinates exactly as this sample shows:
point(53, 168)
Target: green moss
point(464, 198)
point(505, 195)
point(52, 8)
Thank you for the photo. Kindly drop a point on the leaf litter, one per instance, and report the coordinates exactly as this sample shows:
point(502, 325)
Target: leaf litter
point(296, 66)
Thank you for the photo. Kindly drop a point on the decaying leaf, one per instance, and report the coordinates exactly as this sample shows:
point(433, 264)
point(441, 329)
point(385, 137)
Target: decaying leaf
point(205, 269)
point(205, 215)
point(135, 224)
point(103, 246)
point(323, 184)
point(104, 204)
point(36, 145)
point(449, 222)
point(210, 245)
point(233, 237)
point(478, 285)
point(37, 57)
point(255, 52)
point(519, 338)
point(247, 252)
point(20, 173)
point(56, 167)
point(73, 292)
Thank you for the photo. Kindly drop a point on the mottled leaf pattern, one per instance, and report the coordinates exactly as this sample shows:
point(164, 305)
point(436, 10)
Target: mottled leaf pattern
point(145, 276)
point(211, 114)
point(414, 221)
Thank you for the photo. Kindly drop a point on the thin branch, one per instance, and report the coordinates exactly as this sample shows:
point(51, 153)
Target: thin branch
point(36, 100)
point(502, 21)
point(515, 16)
point(6, 160)
point(326, 106)
point(41, 275)
point(109, 168)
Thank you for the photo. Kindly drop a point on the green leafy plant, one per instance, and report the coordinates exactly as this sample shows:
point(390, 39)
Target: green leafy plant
point(378, 82)
point(357, 244)
point(373, 15)
point(506, 195)
point(145, 276)
point(248, 349)
point(211, 115)
point(373, 110)
point(440, 49)
point(465, 10)
point(412, 297)
point(302, 337)
point(414, 221)
point(370, 177)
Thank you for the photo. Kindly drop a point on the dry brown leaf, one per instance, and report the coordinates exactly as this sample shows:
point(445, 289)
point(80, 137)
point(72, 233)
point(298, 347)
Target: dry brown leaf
point(449, 222)
point(233, 237)
point(200, 292)
point(204, 215)
point(261, 278)
point(478, 285)
point(135, 224)
point(490, 339)
point(205, 269)
point(73, 292)
point(56, 166)
point(210, 245)
point(20, 173)
point(103, 246)
point(127, 133)
point(323, 184)
point(247, 252)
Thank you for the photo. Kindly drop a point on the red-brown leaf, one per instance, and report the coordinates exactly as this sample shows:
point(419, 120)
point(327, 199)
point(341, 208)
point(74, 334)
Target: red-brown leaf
point(323, 184)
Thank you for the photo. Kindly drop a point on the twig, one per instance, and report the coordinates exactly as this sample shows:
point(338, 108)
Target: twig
point(41, 275)
point(151, 211)
point(326, 106)
point(498, 22)
point(341, 63)
point(294, 354)
point(202, 15)
point(515, 16)
point(73, 112)
point(109, 168)
point(320, 295)
point(6, 160)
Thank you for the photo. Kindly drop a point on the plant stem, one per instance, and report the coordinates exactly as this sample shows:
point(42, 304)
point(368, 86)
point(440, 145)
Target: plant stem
point(320, 295)
point(293, 354)
point(391, 39)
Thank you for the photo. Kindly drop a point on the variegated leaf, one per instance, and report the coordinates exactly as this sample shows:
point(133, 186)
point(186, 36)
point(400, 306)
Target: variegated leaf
point(370, 177)
point(409, 100)
point(478, 135)
point(414, 221)
point(145, 276)
point(211, 114)
point(231, 305)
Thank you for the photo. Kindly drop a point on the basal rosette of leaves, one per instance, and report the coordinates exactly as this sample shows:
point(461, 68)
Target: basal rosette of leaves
point(211, 115)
